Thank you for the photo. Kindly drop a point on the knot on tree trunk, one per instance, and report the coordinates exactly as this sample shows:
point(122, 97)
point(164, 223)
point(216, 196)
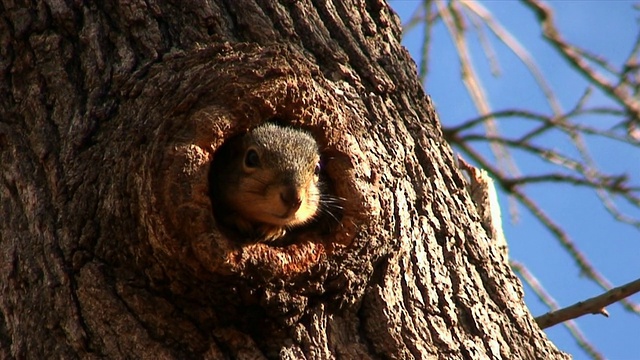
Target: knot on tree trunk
point(210, 96)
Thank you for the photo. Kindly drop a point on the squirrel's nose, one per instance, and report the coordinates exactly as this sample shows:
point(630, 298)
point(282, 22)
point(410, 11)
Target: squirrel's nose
point(291, 198)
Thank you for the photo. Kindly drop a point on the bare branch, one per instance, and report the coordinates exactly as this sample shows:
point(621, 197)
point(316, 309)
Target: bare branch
point(416, 19)
point(453, 19)
point(565, 241)
point(612, 183)
point(485, 43)
point(619, 121)
point(548, 300)
point(426, 43)
point(573, 56)
point(549, 122)
point(632, 66)
point(581, 260)
point(513, 44)
point(595, 305)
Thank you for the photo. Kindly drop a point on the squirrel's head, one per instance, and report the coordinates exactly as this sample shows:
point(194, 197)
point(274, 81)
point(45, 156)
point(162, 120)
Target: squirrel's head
point(278, 170)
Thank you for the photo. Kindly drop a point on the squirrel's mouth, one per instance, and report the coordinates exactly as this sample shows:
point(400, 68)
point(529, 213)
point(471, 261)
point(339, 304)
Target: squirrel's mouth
point(291, 217)
point(287, 219)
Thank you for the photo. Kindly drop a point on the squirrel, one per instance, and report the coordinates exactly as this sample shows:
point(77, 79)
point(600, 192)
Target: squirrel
point(267, 181)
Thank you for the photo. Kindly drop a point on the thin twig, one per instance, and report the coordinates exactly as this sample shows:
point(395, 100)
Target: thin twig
point(429, 21)
point(548, 300)
point(581, 260)
point(487, 47)
point(453, 19)
point(513, 44)
point(416, 19)
point(595, 305)
point(569, 52)
point(548, 121)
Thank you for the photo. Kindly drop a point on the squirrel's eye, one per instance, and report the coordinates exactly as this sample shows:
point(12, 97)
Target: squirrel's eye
point(316, 171)
point(251, 159)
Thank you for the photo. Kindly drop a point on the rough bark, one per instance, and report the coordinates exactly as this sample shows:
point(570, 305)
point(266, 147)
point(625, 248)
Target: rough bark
point(110, 116)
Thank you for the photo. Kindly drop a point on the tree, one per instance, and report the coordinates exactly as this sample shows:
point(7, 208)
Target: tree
point(111, 116)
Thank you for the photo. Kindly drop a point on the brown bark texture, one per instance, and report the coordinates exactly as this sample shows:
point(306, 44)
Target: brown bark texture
point(110, 117)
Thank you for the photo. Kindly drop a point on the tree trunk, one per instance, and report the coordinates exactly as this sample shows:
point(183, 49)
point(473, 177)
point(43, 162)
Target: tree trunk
point(111, 114)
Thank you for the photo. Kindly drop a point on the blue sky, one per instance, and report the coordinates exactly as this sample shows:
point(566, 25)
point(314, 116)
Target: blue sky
point(608, 28)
